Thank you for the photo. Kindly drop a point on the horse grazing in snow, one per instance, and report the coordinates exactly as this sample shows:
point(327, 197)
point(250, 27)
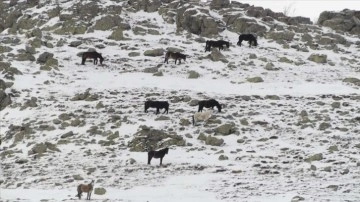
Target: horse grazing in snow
point(158, 105)
point(219, 44)
point(209, 104)
point(157, 154)
point(247, 37)
point(95, 55)
point(176, 56)
point(201, 116)
point(85, 188)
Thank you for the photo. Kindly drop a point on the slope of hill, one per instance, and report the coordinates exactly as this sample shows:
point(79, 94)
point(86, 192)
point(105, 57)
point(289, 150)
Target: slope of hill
point(288, 130)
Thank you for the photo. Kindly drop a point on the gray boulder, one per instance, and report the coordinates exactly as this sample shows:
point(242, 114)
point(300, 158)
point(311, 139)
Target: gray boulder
point(107, 22)
point(318, 58)
point(219, 4)
point(155, 52)
point(226, 129)
point(147, 138)
point(5, 100)
point(345, 20)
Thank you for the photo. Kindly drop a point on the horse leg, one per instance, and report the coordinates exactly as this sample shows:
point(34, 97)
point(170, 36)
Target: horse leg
point(149, 159)
point(157, 110)
point(161, 161)
point(83, 61)
point(179, 61)
point(239, 43)
point(200, 108)
point(175, 61)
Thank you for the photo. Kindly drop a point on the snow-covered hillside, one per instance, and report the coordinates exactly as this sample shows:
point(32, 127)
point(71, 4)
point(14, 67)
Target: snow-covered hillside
point(288, 131)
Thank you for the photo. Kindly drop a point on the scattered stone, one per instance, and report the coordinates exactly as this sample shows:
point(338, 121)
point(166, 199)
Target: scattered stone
point(255, 80)
point(318, 58)
point(99, 191)
point(315, 157)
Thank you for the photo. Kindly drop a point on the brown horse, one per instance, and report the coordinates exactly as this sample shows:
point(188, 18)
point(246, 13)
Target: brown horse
point(95, 55)
point(157, 154)
point(85, 188)
point(176, 56)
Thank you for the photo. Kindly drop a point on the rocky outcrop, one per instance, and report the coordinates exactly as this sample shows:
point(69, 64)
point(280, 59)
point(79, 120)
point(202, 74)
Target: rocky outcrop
point(345, 20)
point(198, 21)
point(147, 139)
point(5, 100)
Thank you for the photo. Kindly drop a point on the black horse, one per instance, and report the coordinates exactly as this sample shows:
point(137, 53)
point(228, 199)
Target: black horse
point(209, 104)
point(247, 37)
point(176, 56)
point(157, 154)
point(95, 55)
point(158, 105)
point(219, 44)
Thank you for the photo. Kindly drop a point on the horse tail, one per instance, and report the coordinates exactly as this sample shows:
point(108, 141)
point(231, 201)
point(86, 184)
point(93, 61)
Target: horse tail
point(193, 120)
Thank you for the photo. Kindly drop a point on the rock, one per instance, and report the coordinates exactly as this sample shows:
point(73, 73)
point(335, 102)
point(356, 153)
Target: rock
point(285, 60)
point(324, 126)
point(44, 57)
point(345, 20)
point(162, 118)
point(216, 55)
point(223, 157)
point(333, 148)
point(198, 21)
point(351, 80)
point(252, 56)
point(318, 58)
point(155, 52)
point(3, 85)
point(146, 5)
point(21, 161)
point(184, 122)
point(226, 129)
point(158, 74)
point(5, 100)
point(148, 138)
point(315, 157)
point(78, 177)
point(151, 70)
point(238, 24)
point(283, 35)
point(99, 191)
point(335, 105)
point(193, 74)
point(213, 141)
point(134, 54)
point(68, 134)
point(297, 199)
point(130, 161)
point(255, 80)
point(219, 4)
point(108, 22)
point(272, 97)
point(75, 43)
point(117, 35)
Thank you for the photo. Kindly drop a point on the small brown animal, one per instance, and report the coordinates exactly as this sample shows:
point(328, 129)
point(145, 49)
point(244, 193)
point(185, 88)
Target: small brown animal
point(176, 56)
point(85, 188)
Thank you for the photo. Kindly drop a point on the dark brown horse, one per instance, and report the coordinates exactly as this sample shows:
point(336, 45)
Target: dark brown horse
point(158, 105)
point(157, 154)
point(209, 104)
point(85, 188)
point(247, 37)
point(95, 55)
point(219, 44)
point(176, 56)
